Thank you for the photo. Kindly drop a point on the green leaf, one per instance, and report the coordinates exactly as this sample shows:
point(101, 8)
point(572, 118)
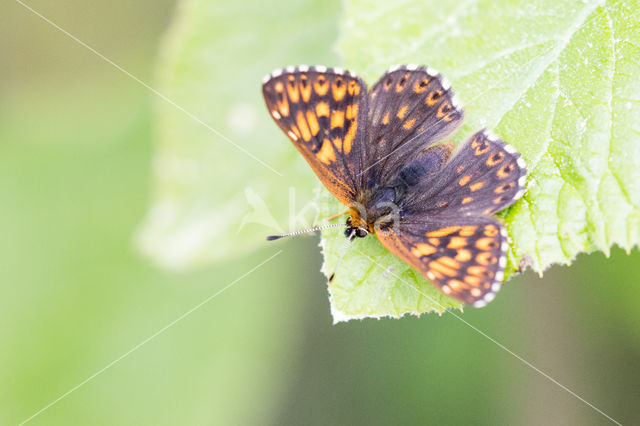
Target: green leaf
point(222, 169)
point(558, 79)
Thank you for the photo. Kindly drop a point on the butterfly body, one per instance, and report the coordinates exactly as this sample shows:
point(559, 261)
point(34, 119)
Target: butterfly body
point(379, 208)
point(378, 151)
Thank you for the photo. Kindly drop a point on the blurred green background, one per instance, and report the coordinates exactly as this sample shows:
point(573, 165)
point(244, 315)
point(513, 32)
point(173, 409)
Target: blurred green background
point(76, 145)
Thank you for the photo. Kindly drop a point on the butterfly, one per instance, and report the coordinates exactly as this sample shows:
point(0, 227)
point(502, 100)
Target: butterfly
point(379, 152)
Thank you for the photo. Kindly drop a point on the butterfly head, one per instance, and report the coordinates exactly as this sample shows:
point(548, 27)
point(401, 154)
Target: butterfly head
point(356, 227)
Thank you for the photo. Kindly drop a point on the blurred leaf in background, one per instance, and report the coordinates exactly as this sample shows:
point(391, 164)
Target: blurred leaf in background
point(75, 165)
point(207, 182)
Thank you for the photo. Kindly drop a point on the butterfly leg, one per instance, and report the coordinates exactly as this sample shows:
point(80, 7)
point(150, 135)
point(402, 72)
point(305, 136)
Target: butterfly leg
point(337, 215)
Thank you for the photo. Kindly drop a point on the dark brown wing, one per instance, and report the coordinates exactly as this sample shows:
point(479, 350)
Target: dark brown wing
point(324, 112)
point(485, 176)
point(411, 108)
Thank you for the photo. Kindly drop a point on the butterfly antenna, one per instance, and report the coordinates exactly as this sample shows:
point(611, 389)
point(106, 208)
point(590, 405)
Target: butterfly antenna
point(304, 231)
point(346, 246)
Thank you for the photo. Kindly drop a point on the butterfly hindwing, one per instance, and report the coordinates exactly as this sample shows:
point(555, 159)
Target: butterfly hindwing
point(485, 176)
point(464, 256)
point(411, 108)
point(324, 113)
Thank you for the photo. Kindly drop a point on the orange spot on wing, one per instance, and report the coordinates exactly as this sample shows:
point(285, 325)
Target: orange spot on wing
point(491, 230)
point(433, 97)
point(302, 125)
point(305, 88)
point(447, 261)
point(466, 200)
point(443, 232)
point(337, 119)
point(322, 109)
point(352, 111)
point(354, 88)
point(385, 119)
point(279, 87)
point(482, 148)
point(495, 159)
point(337, 142)
point(326, 153)
point(500, 200)
point(478, 271)
point(421, 85)
point(505, 171)
point(467, 231)
point(503, 188)
point(457, 242)
point(338, 89)
point(409, 123)
point(283, 106)
point(402, 83)
point(402, 111)
point(465, 180)
point(321, 86)
point(476, 186)
point(423, 250)
point(293, 91)
point(434, 241)
point(487, 243)
point(348, 138)
point(455, 284)
point(486, 258)
point(445, 270)
point(314, 126)
point(473, 280)
point(463, 255)
point(443, 110)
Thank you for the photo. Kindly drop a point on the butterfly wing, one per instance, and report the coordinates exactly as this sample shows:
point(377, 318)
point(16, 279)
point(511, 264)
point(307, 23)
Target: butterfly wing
point(485, 176)
point(445, 230)
point(324, 112)
point(464, 257)
point(411, 108)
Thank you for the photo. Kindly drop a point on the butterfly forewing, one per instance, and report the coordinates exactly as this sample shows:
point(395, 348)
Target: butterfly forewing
point(324, 113)
point(411, 108)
